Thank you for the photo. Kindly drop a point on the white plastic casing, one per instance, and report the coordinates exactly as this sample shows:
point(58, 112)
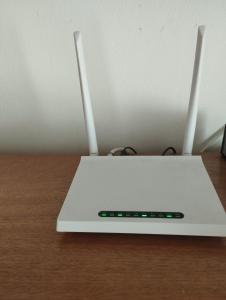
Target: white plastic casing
point(143, 183)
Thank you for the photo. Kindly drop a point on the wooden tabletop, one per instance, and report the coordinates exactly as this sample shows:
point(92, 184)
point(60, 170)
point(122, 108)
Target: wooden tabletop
point(36, 262)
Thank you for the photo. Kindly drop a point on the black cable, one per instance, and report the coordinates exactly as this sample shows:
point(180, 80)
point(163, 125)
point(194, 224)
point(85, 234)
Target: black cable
point(169, 148)
point(125, 152)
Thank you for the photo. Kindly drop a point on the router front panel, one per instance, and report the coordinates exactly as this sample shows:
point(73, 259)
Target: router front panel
point(150, 193)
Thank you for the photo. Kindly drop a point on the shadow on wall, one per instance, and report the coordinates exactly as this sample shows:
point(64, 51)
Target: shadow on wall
point(19, 124)
point(22, 125)
point(27, 126)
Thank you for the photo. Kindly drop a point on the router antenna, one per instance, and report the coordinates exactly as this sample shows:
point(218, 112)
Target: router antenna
point(86, 100)
point(194, 95)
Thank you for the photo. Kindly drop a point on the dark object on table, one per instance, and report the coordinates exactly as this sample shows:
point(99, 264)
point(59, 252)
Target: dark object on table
point(223, 146)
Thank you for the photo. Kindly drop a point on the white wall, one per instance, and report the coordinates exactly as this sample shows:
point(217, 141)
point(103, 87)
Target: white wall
point(139, 58)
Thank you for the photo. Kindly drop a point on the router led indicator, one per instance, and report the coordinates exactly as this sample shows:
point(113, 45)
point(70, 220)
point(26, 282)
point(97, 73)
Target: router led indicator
point(169, 215)
point(103, 214)
point(142, 214)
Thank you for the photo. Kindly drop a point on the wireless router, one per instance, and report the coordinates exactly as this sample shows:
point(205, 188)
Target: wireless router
point(142, 194)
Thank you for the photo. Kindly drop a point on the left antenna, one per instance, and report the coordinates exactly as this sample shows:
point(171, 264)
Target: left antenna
point(86, 100)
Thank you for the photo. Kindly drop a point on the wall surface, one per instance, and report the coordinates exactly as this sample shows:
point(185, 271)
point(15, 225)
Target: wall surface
point(139, 56)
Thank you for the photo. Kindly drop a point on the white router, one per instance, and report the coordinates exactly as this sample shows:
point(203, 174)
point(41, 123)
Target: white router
point(142, 194)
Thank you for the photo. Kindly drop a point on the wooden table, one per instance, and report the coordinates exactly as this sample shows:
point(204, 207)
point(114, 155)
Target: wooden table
point(36, 262)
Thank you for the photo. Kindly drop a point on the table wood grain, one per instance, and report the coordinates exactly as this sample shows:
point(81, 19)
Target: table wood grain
point(36, 262)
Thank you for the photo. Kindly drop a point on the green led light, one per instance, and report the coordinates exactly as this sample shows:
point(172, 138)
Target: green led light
point(142, 214)
point(169, 215)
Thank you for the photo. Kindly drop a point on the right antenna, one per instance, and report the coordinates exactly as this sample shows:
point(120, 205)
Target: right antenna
point(194, 95)
point(86, 100)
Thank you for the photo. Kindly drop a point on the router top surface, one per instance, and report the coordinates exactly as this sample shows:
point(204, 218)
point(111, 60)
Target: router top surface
point(143, 184)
